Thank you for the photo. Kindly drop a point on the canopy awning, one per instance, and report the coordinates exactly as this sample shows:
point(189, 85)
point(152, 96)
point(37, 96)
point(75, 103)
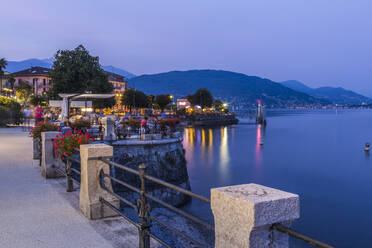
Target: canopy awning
point(68, 95)
point(93, 96)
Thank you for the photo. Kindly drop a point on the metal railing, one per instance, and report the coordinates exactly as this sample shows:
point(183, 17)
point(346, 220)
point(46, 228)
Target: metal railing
point(292, 233)
point(70, 172)
point(143, 209)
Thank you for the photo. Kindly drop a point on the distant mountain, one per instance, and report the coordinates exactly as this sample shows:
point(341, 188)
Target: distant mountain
point(237, 88)
point(14, 66)
point(335, 95)
point(119, 71)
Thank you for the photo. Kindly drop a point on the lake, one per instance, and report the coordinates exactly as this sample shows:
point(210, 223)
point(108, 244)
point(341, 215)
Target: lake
point(318, 155)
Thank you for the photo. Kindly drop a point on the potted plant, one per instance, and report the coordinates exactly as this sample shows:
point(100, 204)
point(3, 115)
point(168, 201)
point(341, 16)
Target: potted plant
point(35, 133)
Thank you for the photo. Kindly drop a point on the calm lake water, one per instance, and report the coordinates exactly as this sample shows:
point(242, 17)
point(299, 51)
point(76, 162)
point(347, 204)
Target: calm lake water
point(316, 154)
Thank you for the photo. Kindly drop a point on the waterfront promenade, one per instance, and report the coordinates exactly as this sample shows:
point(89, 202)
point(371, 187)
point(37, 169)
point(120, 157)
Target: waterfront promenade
point(35, 212)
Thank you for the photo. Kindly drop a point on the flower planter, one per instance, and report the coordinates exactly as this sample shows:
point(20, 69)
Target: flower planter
point(37, 148)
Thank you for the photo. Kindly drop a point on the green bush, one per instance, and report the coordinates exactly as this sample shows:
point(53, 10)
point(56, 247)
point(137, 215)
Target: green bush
point(4, 116)
point(13, 111)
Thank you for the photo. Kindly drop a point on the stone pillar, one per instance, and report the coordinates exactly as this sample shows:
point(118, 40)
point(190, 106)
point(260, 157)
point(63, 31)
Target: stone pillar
point(109, 132)
point(49, 162)
point(36, 148)
point(90, 188)
point(243, 215)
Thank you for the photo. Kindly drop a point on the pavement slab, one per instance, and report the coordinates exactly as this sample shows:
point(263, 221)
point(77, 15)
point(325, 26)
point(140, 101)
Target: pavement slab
point(36, 212)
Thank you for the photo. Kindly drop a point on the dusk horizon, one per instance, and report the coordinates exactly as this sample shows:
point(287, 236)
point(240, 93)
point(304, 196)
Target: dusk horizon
point(310, 42)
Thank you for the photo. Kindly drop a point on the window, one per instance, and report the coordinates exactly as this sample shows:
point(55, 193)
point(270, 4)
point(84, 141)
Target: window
point(44, 82)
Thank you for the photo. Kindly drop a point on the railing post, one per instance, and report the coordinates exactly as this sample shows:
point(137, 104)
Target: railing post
point(69, 182)
point(143, 212)
point(244, 215)
point(90, 187)
point(49, 161)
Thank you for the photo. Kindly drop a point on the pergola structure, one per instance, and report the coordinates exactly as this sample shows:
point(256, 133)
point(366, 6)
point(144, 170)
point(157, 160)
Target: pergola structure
point(66, 97)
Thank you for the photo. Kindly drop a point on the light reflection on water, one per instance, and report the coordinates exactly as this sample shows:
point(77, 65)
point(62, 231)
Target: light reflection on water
point(318, 155)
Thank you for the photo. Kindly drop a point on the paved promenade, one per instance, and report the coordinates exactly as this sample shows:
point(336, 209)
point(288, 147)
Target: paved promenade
point(38, 213)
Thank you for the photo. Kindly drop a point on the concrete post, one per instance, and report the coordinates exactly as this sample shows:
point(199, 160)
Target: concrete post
point(49, 162)
point(243, 215)
point(90, 188)
point(36, 148)
point(109, 132)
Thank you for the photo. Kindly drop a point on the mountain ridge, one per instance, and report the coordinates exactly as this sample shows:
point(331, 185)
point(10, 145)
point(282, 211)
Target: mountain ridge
point(237, 88)
point(336, 95)
point(14, 66)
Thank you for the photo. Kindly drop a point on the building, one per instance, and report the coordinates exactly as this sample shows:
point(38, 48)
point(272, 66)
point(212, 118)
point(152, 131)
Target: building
point(118, 82)
point(39, 79)
point(35, 76)
point(183, 103)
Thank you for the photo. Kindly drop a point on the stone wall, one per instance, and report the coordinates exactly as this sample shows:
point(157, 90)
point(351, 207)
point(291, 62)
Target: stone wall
point(165, 159)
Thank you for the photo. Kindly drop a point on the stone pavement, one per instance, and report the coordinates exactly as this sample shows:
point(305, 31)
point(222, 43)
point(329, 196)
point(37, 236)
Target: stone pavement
point(39, 213)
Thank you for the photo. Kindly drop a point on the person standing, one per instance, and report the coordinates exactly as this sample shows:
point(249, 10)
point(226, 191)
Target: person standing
point(38, 114)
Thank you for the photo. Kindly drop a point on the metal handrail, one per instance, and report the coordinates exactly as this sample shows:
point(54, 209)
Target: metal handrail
point(156, 180)
point(290, 232)
point(143, 209)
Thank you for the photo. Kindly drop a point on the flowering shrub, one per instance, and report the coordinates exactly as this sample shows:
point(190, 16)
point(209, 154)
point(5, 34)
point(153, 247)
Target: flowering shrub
point(68, 143)
point(78, 124)
point(43, 126)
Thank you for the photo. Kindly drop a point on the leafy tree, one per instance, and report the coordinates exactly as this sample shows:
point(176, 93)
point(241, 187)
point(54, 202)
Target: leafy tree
point(103, 103)
point(11, 81)
point(151, 100)
point(135, 98)
point(201, 97)
point(3, 64)
point(10, 110)
point(23, 92)
point(218, 105)
point(76, 71)
point(163, 101)
point(38, 100)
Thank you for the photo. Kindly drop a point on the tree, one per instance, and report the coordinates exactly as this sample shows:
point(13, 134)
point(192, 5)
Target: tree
point(76, 71)
point(23, 92)
point(163, 101)
point(104, 103)
point(38, 100)
point(135, 98)
point(218, 105)
point(3, 64)
point(151, 100)
point(11, 81)
point(202, 97)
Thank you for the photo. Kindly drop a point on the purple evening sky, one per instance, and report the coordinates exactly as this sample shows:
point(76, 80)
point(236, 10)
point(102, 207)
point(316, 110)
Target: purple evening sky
point(319, 42)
